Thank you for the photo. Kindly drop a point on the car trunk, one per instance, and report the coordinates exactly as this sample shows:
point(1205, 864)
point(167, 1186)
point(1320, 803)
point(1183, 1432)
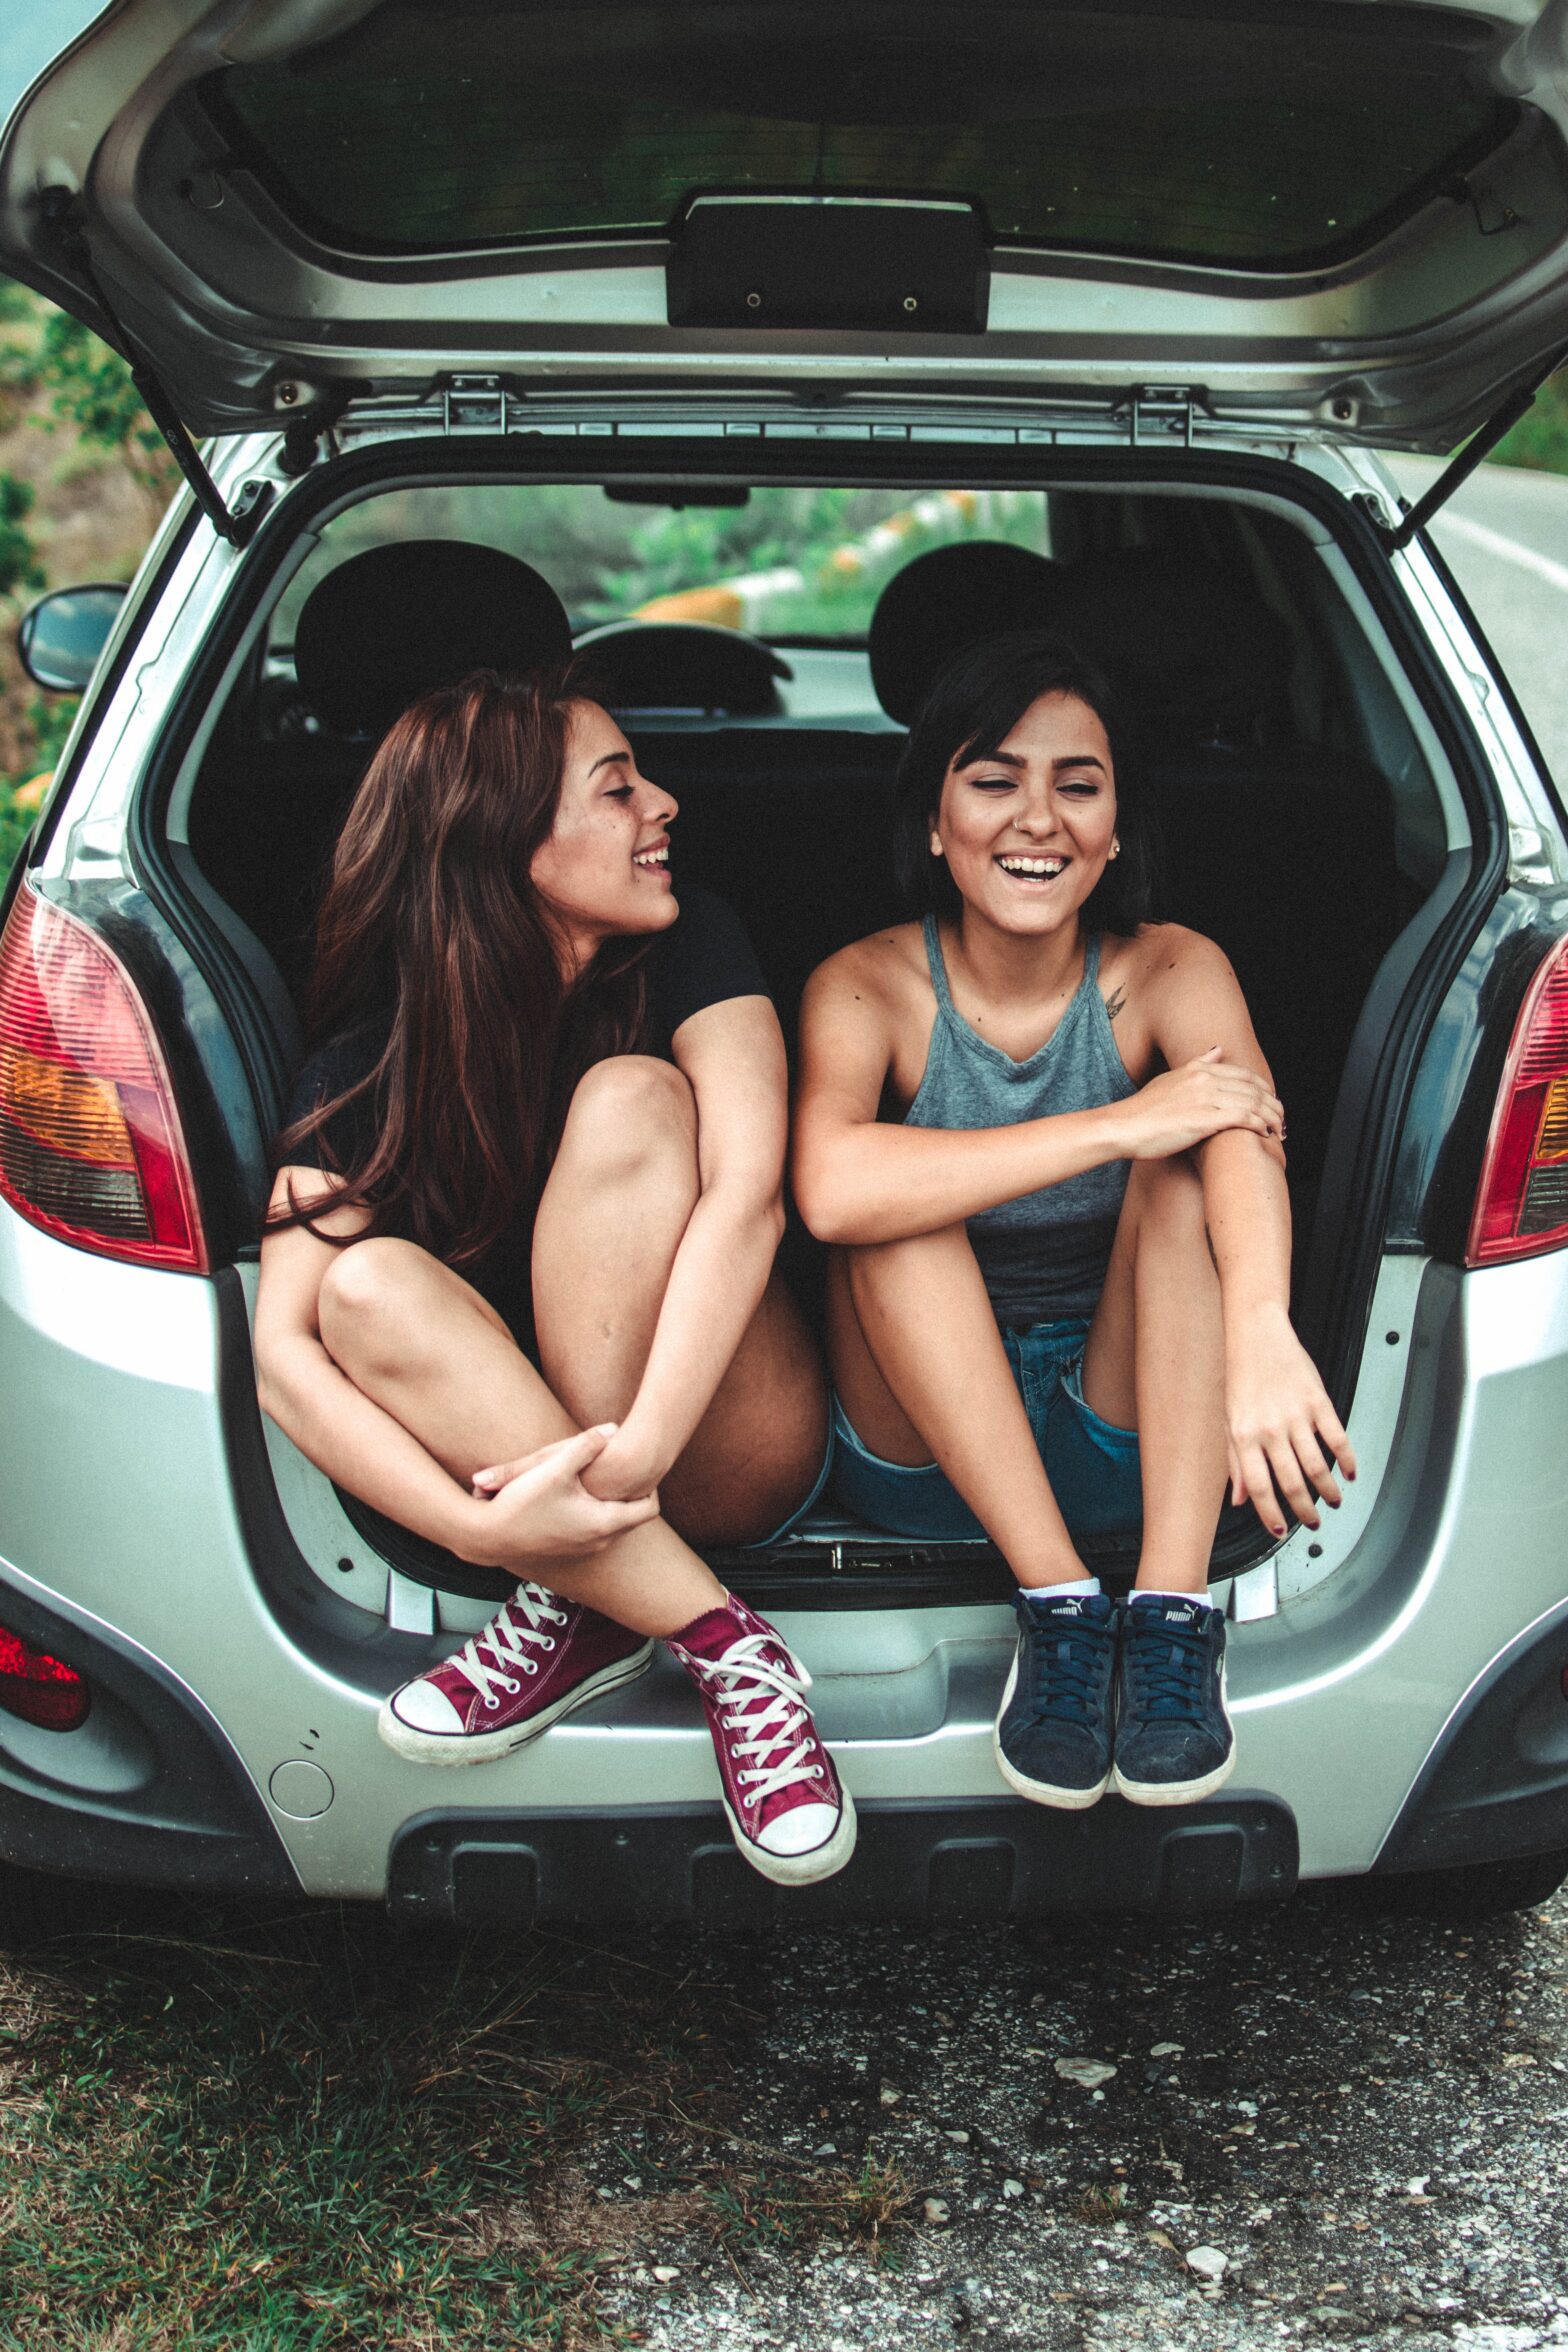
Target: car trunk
point(1119, 251)
point(1308, 803)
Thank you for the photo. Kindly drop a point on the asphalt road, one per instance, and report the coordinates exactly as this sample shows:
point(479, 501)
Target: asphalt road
point(1504, 536)
point(1302, 2124)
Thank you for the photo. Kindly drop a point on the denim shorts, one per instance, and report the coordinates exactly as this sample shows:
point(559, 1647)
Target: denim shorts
point(1093, 1467)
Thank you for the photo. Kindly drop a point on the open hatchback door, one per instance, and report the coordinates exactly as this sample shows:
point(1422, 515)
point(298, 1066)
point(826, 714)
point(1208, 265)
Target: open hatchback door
point(1349, 217)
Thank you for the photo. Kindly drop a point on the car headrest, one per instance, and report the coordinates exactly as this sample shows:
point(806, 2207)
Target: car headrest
point(947, 600)
point(694, 666)
point(398, 621)
point(1195, 654)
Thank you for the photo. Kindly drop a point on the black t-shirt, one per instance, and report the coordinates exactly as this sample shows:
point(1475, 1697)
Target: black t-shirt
point(705, 958)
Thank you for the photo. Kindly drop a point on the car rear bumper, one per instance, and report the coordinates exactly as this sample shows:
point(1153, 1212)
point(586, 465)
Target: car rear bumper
point(137, 1511)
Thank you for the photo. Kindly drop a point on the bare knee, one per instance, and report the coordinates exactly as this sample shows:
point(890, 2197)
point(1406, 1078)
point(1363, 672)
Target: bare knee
point(629, 1115)
point(367, 1303)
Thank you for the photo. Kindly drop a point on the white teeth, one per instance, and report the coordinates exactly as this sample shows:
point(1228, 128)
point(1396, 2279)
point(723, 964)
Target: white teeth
point(653, 857)
point(1023, 865)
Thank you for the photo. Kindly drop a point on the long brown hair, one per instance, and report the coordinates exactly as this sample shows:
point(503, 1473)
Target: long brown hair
point(429, 910)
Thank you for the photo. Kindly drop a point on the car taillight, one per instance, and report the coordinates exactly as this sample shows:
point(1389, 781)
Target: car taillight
point(39, 1688)
point(90, 1141)
point(1522, 1206)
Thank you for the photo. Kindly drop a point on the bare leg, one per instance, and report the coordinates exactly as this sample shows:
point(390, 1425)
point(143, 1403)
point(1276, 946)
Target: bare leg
point(424, 1346)
point(915, 1398)
point(1155, 1362)
point(623, 1186)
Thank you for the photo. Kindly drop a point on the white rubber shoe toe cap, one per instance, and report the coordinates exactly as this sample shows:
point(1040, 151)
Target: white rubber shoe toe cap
point(799, 1831)
point(424, 1708)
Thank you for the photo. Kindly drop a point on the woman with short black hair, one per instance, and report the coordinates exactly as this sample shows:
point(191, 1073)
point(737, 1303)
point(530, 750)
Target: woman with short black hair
point(1042, 1135)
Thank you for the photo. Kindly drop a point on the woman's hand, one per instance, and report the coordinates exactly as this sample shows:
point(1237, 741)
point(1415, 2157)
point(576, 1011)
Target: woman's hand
point(1185, 1106)
point(1281, 1427)
point(539, 1508)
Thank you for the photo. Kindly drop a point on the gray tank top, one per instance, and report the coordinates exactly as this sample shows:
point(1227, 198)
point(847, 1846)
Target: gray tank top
point(1044, 1256)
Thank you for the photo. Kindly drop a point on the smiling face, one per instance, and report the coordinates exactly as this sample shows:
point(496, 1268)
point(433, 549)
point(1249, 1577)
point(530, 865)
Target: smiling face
point(604, 870)
point(1026, 831)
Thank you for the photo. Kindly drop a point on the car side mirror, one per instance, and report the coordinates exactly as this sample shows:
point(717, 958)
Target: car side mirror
point(62, 635)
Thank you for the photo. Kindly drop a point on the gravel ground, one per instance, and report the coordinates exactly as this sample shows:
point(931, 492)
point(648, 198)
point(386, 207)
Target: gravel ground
point(1309, 2121)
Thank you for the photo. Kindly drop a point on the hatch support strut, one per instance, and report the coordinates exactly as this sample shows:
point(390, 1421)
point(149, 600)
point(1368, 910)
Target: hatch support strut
point(235, 524)
point(1460, 468)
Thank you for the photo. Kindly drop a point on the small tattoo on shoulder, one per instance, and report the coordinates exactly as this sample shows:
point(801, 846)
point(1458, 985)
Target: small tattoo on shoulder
point(1114, 1002)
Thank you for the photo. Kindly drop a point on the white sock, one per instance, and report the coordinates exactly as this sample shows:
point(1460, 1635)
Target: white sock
point(1169, 1592)
point(1082, 1588)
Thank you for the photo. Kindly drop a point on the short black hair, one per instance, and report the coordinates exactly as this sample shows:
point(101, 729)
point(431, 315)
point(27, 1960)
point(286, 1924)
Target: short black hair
point(974, 705)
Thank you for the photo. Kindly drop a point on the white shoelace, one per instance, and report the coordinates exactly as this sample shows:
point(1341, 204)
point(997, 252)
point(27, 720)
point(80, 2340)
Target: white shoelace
point(518, 1622)
point(741, 1680)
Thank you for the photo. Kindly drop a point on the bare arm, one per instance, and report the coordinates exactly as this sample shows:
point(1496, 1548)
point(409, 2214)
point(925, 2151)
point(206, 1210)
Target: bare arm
point(1280, 1416)
point(732, 1054)
point(363, 1449)
point(860, 1179)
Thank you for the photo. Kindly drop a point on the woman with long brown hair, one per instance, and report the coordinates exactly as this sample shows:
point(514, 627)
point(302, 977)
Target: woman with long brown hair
point(517, 1284)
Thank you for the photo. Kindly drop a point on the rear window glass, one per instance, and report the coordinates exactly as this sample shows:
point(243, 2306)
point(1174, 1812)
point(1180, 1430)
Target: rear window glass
point(1180, 134)
point(791, 565)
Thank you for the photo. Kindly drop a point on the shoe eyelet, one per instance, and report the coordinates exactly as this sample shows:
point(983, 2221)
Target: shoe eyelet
point(547, 1641)
point(529, 1666)
point(512, 1687)
point(491, 1705)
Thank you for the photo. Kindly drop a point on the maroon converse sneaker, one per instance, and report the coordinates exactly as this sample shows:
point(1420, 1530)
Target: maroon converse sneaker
point(539, 1658)
point(787, 1810)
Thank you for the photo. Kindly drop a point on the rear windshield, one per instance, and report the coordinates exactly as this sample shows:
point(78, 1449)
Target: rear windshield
point(1180, 134)
point(795, 566)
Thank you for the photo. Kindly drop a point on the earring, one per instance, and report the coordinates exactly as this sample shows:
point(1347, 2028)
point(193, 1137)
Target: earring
point(1116, 847)
point(936, 842)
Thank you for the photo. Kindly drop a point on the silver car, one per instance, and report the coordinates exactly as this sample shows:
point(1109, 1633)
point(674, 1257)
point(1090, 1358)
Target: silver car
point(1144, 292)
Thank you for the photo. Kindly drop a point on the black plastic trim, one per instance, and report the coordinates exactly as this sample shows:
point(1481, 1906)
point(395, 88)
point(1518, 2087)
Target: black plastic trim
point(855, 1572)
point(970, 1857)
point(1496, 1783)
point(195, 1820)
point(1440, 564)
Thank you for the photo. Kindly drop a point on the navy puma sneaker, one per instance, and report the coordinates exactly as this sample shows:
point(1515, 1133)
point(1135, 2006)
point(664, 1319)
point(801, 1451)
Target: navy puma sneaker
point(1174, 1742)
point(1053, 1734)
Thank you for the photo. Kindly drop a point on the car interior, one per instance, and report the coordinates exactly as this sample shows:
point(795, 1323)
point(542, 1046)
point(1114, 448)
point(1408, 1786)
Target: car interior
point(1295, 807)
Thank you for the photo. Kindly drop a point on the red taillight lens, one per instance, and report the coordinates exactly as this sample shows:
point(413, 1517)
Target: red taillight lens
point(1522, 1206)
point(90, 1141)
point(39, 1688)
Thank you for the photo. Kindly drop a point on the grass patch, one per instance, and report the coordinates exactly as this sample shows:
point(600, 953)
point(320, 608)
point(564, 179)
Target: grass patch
point(763, 2213)
point(295, 2130)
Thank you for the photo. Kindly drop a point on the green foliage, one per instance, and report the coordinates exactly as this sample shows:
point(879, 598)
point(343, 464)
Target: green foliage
point(845, 545)
point(19, 564)
point(49, 720)
point(91, 389)
point(15, 825)
point(1540, 439)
